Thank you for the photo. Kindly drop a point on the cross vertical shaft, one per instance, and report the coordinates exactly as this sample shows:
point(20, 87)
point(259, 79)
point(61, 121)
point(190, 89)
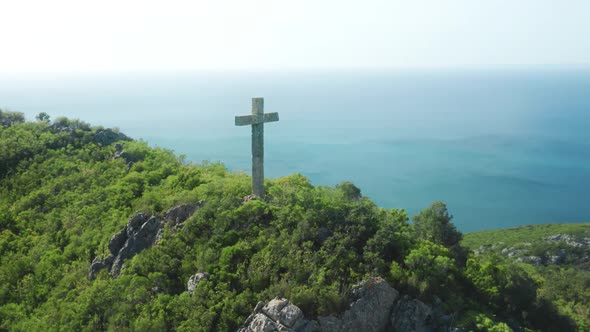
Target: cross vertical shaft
point(258, 147)
point(257, 120)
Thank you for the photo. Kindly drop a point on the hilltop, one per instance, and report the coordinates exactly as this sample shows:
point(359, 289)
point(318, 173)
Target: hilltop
point(102, 232)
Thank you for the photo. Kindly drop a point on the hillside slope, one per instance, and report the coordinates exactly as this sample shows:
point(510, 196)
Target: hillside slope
point(99, 232)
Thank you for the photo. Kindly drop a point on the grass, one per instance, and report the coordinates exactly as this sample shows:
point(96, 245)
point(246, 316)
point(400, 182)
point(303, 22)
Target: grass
point(529, 233)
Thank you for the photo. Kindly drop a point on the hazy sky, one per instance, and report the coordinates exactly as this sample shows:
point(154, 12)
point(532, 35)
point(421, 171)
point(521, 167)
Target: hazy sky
point(80, 35)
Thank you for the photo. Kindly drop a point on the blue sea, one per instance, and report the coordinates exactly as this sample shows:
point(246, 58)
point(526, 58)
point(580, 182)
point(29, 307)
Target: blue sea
point(502, 147)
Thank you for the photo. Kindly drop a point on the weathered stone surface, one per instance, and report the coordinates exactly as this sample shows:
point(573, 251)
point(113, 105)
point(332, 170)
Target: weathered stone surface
point(108, 136)
point(534, 260)
point(370, 309)
point(411, 315)
point(137, 235)
point(179, 214)
point(329, 324)
point(262, 323)
point(99, 264)
point(290, 315)
point(95, 267)
point(257, 120)
point(559, 258)
point(278, 315)
point(140, 236)
point(274, 307)
point(570, 240)
point(194, 280)
point(141, 232)
point(118, 241)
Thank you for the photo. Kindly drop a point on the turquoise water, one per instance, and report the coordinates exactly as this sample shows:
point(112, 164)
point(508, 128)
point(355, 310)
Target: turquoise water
point(502, 148)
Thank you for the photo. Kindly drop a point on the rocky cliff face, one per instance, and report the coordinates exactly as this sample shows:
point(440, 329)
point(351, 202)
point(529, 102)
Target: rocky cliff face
point(374, 307)
point(141, 232)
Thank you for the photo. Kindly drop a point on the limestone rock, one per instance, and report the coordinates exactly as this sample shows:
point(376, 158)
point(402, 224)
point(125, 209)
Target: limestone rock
point(194, 280)
point(179, 214)
point(95, 267)
point(329, 324)
point(533, 260)
point(262, 323)
point(141, 232)
point(140, 236)
point(137, 235)
point(370, 310)
point(371, 304)
point(278, 315)
point(411, 315)
point(118, 241)
point(283, 312)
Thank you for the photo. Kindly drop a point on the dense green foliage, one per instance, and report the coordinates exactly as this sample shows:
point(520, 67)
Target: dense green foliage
point(63, 195)
point(566, 284)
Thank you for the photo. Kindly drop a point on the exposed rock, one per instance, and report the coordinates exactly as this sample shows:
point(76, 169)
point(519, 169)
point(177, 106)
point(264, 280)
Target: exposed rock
point(278, 315)
point(372, 303)
point(118, 241)
point(262, 323)
point(534, 260)
point(570, 240)
point(121, 154)
point(371, 308)
point(141, 232)
point(177, 215)
point(411, 315)
point(559, 258)
point(329, 324)
point(95, 267)
point(140, 236)
point(108, 136)
point(137, 235)
point(99, 264)
point(249, 198)
point(194, 280)
point(515, 252)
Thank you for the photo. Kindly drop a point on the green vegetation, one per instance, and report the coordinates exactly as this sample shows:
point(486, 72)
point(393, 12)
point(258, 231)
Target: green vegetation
point(529, 233)
point(63, 195)
point(560, 253)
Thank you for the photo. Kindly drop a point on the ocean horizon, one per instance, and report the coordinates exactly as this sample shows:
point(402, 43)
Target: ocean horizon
point(502, 148)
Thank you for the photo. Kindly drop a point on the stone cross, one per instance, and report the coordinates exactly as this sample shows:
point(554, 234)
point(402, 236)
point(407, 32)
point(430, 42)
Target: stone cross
point(257, 120)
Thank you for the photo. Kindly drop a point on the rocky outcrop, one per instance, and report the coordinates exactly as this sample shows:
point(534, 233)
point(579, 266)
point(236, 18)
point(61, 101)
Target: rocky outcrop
point(559, 249)
point(370, 308)
point(411, 315)
point(126, 156)
point(109, 136)
point(141, 232)
point(194, 280)
point(278, 315)
point(570, 240)
point(374, 307)
point(177, 215)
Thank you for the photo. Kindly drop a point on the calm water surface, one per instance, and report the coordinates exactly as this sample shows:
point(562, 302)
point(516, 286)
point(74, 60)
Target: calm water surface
point(502, 148)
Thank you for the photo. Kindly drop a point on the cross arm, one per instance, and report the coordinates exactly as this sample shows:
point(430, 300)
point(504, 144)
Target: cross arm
point(245, 120)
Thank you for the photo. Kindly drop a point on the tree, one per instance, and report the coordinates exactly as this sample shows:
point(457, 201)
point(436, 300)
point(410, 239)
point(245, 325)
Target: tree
point(43, 117)
point(434, 224)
